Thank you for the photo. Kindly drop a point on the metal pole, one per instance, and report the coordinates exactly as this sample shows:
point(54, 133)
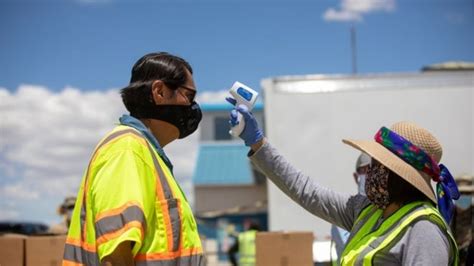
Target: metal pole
point(354, 50)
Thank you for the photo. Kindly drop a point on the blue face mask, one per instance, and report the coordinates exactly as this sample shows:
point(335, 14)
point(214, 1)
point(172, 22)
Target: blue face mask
point(361, 184)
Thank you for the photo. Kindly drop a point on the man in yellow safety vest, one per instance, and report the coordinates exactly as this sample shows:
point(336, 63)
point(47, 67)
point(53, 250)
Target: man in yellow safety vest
point(245, 246)
point(130, 210)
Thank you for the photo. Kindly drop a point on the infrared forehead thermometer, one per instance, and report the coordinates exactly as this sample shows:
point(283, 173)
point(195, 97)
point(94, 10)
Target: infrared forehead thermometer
point(246, 96)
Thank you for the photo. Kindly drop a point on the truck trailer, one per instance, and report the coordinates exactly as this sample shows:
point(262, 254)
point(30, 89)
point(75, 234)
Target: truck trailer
point(306, 117)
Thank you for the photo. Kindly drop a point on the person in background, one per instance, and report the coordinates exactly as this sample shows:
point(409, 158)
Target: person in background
point(362, 167)
point(339, 236)
point(397, 222)
point(245, 246)
point(130, 209)
point(65, 211)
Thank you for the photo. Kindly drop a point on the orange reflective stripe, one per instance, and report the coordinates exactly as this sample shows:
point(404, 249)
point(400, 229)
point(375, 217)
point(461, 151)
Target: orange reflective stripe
point(164, 193)
point(164, 210)
point(117, 233)
point(77, 255)
point(166, 217)
point(169, 254)
point(160, 193)
point(71, 263)
point(114, 222)
point(111, 221)
point(110, 139)
point(159, 186)
point(107, 140)
point(118, 210)
point(159, 190)
point(180, 212)
point(79, 243)
point(164, 207)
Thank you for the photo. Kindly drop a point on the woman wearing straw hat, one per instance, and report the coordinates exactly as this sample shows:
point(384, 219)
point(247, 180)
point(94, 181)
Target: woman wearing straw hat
point(397, 223)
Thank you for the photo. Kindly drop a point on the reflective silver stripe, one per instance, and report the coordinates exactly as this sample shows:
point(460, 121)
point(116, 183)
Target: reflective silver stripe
point(426, 217)
point(164, 182)
point(84, 202)
point(194, 260)
point(117, 134)
point(113, 223)
point(360, 258)
point(173, 208)
point(359, 223)
point(79, 255)
point(83, 216)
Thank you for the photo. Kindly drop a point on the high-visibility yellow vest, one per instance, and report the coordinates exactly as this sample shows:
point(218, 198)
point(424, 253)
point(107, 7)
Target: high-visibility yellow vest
point(129, 194)
point(365, 244)
point(247, 248)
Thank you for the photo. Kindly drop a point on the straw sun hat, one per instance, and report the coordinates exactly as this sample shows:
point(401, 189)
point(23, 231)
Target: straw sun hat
point(417, 136)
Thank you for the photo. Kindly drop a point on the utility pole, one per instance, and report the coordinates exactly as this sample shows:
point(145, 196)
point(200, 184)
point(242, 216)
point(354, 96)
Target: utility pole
point(354, 50)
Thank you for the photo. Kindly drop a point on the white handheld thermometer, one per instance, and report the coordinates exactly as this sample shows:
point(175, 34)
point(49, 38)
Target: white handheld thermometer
point(246, 96)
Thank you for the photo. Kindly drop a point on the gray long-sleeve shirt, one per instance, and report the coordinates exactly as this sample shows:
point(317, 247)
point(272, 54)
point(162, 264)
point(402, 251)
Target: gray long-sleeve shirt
point(422, 244)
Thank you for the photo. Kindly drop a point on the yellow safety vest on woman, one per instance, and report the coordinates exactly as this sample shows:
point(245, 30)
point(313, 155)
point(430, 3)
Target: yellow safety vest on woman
point(365, 244)
point(247, 248)
point(129, 194)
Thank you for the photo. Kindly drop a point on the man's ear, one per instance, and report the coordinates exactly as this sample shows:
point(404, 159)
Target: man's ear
point(158, 88)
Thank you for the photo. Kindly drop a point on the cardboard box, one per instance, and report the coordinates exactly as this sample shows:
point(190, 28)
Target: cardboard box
point(12, 250)
point(44, 250)
point(284, 249)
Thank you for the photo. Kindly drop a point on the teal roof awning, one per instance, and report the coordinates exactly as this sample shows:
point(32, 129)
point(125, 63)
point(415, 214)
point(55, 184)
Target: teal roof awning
point(223, 164)
point(215, 107)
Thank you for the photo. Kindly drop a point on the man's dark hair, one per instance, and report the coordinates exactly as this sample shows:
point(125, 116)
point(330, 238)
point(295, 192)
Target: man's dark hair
point(162, 66)
point(402, 192)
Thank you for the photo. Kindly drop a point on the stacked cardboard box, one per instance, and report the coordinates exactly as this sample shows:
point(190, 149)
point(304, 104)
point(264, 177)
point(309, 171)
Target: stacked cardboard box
point(272, 248)
point(284, 249)
point(17, 250)
point(211, 250)
point(12, 249)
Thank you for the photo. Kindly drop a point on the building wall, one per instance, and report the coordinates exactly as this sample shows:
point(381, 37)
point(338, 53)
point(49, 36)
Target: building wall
point(207, 125)
point(212, 198)
point(307, 118)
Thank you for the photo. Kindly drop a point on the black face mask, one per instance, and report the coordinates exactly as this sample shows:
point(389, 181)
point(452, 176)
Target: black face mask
point(185, 117)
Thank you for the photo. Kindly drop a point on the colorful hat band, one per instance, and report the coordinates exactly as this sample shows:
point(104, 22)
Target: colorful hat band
point(408, 152)
point(446, 188)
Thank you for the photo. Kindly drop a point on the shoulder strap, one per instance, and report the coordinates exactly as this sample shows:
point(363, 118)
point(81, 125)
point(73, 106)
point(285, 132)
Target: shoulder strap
point(365, 236)
point(366, 211)
point(425, 212)
point(102, 143)
point(350, 252)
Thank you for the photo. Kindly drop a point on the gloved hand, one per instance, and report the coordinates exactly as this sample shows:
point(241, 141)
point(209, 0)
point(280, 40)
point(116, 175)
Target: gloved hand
point(251, 133)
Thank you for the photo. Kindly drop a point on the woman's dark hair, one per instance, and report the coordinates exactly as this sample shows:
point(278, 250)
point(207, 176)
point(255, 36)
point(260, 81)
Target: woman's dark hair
point(162, 66)
point(402, 192)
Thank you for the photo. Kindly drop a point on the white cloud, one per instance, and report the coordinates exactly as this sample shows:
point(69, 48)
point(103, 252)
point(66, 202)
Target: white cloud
point(9, 214)
point(47, 139)
point(343, 15)
point(354, 10)
point(18, 191)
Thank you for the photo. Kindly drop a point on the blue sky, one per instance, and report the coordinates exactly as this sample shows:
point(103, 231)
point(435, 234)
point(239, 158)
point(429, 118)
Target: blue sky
point(62, 63)
point(92, 44)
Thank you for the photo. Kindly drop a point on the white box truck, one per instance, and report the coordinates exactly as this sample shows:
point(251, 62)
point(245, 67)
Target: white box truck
point(306, 117)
